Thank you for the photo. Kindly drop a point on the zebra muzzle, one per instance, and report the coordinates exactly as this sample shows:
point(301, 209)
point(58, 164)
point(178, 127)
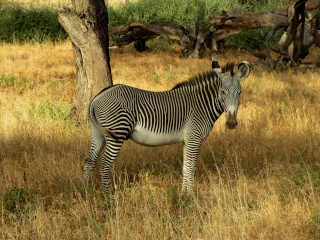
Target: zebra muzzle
point(232, 120)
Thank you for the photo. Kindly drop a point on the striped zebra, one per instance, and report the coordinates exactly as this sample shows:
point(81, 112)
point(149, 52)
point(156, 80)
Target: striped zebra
point(185, 114)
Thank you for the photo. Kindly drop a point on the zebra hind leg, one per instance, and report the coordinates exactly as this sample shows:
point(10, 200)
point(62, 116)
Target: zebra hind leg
point(97, 144)
point(113, 147)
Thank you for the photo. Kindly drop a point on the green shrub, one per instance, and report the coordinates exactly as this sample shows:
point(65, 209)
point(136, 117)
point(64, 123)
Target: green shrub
point(184, 12)
point(253, 38)
point(39, 24)
point(181, 11)
point(178, 11)
point(19, 24)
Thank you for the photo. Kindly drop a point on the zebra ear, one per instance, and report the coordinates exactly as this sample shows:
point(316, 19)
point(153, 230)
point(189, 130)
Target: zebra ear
point(215, 65)
point(243, 69)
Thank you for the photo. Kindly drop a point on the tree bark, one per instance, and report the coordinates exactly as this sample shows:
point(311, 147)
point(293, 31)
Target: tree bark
point(300, 32)
point(87, 26)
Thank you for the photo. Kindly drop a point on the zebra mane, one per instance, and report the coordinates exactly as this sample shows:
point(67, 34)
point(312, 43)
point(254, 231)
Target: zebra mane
point(194, 81)
point(228, 68)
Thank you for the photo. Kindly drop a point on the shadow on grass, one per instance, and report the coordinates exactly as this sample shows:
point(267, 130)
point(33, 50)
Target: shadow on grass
point(53, 164)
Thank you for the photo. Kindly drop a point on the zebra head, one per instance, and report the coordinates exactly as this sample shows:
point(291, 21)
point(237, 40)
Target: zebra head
point(230, 90)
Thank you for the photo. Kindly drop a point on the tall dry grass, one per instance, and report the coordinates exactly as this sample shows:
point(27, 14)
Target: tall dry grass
point(259, 181)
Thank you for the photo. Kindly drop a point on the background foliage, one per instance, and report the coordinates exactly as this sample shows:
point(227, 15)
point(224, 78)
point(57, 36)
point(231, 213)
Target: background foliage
point(181, 11)
point(40, 23)
point(35, 24)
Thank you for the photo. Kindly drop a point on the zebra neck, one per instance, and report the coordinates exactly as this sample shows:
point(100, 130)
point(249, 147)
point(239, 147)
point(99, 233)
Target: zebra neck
point(210, 101)
point(205, 97)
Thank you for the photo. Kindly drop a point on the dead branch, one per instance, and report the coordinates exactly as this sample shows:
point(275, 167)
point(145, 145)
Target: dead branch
point(139, 31)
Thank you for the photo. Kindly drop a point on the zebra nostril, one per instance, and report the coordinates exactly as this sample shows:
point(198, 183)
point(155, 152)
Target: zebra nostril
point(231, 124)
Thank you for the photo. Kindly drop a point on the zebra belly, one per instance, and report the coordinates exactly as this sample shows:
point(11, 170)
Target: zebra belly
point(146, 137)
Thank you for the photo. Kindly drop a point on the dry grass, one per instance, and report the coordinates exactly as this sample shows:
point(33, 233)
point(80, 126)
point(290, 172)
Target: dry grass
point(260, 181)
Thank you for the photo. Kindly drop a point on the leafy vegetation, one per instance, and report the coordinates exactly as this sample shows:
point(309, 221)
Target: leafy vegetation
point(181, 11)
point(39, 24)
point(253, 38)
point(20, 24)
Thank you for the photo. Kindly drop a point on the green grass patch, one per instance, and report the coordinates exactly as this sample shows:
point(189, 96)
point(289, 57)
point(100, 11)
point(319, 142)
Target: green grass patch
point(15, 198)
point(51, 110)
point(6, 81)
point(17, 84)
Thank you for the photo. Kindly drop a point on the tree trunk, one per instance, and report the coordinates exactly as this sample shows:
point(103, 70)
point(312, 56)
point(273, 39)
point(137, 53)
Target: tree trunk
point(87, 26)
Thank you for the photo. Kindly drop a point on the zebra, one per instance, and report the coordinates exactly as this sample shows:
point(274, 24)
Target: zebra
point(185, 114)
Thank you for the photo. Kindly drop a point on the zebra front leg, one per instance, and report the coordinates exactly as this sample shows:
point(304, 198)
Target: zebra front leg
point(113, 147)
point(190, 154)
point(97, 144)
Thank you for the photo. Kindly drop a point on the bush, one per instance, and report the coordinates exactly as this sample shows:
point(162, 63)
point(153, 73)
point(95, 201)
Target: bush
point(180, 11)
point(19, 24)
point(253, 38)
point(184, 12)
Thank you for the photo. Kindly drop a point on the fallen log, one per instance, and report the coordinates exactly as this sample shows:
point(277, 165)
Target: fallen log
point(137, 31)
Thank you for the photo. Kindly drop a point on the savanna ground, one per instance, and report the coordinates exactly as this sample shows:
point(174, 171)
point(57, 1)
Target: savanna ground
point(259, 181)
